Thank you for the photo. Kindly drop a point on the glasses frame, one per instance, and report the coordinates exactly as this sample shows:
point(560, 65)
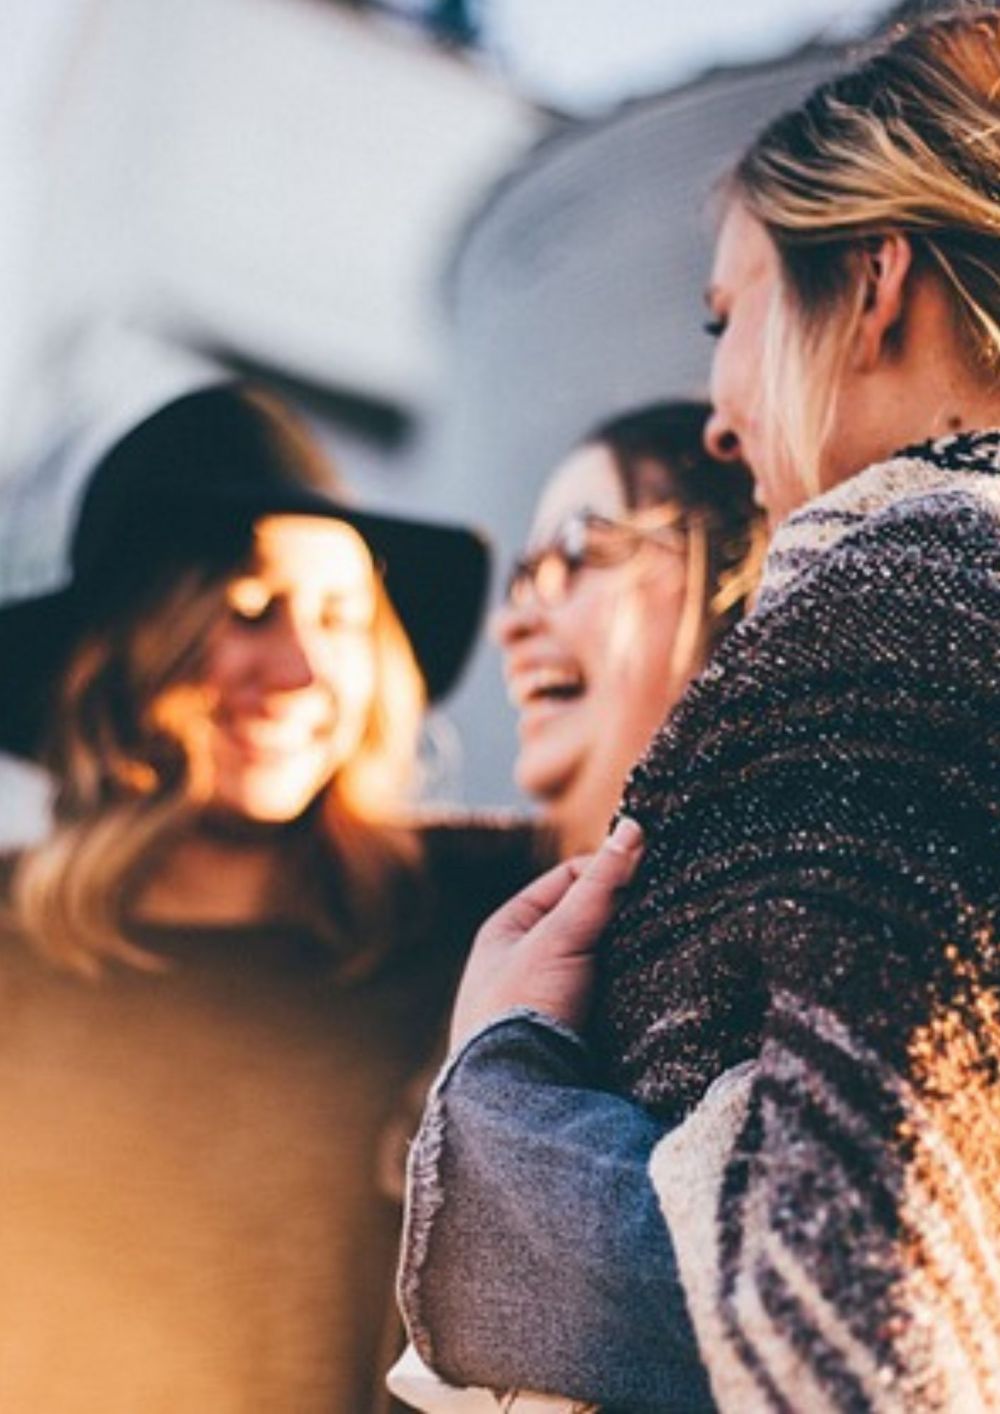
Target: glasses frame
point(547, 575)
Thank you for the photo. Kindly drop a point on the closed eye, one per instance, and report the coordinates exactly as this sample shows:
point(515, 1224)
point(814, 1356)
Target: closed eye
point(249, 601)
point(345, 615)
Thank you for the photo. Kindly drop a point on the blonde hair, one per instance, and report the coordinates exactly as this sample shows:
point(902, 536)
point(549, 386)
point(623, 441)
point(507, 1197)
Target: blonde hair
point(909, 141)
point(130, 782)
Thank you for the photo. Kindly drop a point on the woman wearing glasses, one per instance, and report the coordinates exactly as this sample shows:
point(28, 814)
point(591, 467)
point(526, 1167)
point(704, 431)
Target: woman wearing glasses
point(643, 555)
point(643, 552)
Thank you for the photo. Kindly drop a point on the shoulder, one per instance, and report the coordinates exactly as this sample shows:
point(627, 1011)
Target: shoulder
point(882, 597)
point(475, 861)
point(911, 502)
point(17, 954)
point(911, 538)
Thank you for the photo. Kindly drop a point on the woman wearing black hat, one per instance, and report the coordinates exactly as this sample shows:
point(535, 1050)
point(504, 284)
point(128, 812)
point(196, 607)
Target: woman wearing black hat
point(229, 958)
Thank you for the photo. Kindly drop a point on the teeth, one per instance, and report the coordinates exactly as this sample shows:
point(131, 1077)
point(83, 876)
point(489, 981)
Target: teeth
point(542, 682)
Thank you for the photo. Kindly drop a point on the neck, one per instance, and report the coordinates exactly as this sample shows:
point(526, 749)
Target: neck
point(920, 388)
point(212, 877)
point(961, 408)
point(903, 418)
point(579, 820)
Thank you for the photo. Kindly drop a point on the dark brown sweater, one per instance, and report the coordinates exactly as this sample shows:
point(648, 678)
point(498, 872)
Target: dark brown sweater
point(820, 898)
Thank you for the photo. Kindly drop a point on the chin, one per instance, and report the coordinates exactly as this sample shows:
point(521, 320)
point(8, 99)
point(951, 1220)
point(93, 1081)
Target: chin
point(573, 832)
point(543, 781)
point(255, 815)
point(275, 813)
point(272, 803)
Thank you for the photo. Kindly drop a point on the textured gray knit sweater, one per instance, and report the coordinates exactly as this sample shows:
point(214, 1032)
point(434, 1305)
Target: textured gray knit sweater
point(820, 896)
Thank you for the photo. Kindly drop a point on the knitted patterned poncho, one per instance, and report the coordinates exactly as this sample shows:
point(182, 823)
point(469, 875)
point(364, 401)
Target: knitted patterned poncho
point(820, 897)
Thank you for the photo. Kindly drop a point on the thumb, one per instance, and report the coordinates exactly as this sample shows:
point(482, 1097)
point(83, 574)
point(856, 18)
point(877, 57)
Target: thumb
point(586, 907)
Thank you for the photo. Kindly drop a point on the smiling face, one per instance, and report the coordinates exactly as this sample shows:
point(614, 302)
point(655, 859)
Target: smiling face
point(591, 675)
point(289, 672)
point(744, 290)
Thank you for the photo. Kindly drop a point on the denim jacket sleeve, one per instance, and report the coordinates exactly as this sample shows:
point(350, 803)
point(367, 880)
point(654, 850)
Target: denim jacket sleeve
point(535, 1255)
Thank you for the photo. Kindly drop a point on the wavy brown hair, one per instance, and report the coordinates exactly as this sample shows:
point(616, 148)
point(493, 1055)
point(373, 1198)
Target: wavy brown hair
point(129, 784)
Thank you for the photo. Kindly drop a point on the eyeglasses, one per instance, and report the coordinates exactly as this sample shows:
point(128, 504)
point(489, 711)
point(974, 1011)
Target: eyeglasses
point(588, 541)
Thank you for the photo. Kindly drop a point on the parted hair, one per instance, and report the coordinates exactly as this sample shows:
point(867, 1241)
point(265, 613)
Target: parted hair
point(907, 141)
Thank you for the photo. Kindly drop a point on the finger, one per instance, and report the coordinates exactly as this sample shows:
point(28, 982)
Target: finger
point(612, 866)
point(584, 909)
point(538, 898)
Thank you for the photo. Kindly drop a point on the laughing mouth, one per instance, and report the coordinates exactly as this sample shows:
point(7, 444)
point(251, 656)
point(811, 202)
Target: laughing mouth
point(546, 684)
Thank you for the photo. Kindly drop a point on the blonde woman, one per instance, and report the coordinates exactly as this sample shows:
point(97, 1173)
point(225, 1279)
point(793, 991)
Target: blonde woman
point(643, 553)
point(800, 986)
point(231, 955)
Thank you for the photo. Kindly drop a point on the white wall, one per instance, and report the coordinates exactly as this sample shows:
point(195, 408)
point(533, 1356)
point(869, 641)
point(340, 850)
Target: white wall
point(279, 177)
point(23, 796)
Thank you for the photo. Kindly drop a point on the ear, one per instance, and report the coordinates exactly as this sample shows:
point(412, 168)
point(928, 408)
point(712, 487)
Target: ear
point(885, 263)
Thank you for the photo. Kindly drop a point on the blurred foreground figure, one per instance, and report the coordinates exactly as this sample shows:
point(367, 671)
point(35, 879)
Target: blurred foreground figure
point(231, 956)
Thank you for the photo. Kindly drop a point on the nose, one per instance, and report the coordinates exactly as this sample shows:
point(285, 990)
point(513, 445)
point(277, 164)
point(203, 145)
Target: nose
point(511, 622)
point(286, 663)
point(721, 440)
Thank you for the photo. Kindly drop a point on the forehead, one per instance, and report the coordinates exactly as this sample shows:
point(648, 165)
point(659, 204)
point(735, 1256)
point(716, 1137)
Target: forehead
point(586, 480)
point(744, 254)
point(307, 551)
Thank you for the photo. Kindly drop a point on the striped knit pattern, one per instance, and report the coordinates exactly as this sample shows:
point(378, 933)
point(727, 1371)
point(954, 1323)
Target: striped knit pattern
point(820, 896)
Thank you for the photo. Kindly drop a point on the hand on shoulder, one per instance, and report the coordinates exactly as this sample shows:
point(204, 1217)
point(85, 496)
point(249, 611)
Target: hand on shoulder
point(538, 949)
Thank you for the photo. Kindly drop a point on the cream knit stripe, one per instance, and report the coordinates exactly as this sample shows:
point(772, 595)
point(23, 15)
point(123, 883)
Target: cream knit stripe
point(955, 1262)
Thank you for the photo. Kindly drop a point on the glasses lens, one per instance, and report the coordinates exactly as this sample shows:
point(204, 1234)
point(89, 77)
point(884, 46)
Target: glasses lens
point(584, 539)
point(553, 572)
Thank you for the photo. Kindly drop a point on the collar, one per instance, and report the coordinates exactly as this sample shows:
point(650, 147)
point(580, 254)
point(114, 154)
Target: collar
point(966, 462)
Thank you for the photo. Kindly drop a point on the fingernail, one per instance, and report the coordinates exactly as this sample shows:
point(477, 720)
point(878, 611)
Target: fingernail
point(626, 836)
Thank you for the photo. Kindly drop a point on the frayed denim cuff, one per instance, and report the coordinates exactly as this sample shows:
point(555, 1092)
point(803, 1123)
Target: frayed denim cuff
point(524, 1035)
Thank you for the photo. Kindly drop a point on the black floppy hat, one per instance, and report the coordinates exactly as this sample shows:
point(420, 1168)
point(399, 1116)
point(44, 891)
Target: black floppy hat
point(82, 535)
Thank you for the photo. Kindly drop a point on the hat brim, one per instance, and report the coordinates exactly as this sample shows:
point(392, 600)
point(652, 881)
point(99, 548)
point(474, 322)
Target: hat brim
point(36, 637)
point(436, 577)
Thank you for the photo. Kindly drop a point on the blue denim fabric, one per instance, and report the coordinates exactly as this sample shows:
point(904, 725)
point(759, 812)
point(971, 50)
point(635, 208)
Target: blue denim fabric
point(535, 1253)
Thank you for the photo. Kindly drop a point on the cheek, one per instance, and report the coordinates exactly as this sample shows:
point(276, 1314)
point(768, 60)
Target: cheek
point(720, 378)
point(741, 370)
point(592, 623)
point(184, 713)
point(223, 662)
point(234, 665)
point(645, 672)
point(348, 670)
